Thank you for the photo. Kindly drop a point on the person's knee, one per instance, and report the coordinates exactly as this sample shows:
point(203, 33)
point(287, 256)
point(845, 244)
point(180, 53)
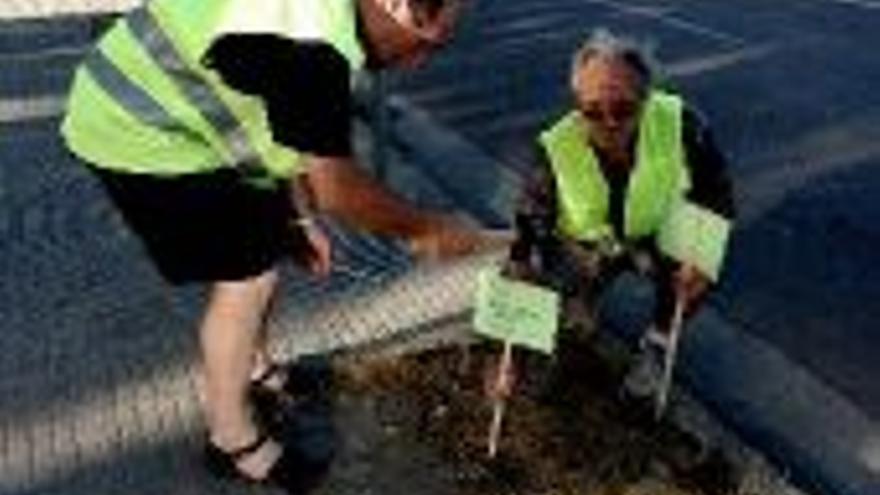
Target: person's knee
point(255, 291)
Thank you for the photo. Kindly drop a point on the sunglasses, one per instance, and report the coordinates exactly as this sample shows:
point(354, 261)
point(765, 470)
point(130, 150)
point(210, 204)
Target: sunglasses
point(617, 111)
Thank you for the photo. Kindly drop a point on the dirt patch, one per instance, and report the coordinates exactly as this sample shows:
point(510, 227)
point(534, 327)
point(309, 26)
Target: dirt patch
point(566, 431)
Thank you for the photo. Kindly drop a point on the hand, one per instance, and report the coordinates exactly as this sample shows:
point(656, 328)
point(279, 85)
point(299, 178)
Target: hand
point(497, 389)
point(443, 236)
point(315, 253)
point(587, 262)
point(690, 285)
point(516, 270)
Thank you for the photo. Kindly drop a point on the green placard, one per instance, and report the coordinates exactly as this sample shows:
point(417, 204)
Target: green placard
point(514, 311)
point(695, 235)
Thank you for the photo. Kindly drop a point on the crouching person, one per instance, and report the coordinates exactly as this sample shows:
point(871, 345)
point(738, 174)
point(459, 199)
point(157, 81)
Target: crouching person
point(629, 179)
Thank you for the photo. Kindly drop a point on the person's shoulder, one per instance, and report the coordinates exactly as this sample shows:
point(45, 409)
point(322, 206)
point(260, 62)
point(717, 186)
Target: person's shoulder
point(694, 121)
point(557, 116)
point(553, 122)
point(272, 47)
point(692, 115)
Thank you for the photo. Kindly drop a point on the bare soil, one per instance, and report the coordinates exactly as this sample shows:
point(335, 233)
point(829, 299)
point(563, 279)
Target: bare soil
point(566, 430)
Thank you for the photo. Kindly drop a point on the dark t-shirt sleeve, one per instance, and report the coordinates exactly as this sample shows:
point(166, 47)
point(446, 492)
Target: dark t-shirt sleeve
point(305, 86)
point(711, 186)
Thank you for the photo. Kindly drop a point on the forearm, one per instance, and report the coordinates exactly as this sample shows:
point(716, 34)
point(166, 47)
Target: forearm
point(336, 186)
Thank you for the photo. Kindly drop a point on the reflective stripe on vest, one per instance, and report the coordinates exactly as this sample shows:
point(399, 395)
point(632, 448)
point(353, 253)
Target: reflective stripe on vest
point(137, 101)
point(658, 180)
point(198, 94)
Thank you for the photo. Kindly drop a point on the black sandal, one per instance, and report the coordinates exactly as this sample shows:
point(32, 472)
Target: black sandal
point(261, 384)
point(292, 471)
point(277, 409)
point(297, 380)
point(222, 464)
point(271, 403)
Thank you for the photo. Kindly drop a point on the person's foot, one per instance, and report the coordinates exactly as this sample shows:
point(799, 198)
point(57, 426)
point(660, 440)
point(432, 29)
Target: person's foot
point(653, 337)
point(273, 378)
point(267, 460)
point(284, 389)
point(646, 374)
point(292, 379)
point(252, 461)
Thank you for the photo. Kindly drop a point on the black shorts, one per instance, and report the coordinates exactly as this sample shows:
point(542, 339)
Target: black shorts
point(204, 227)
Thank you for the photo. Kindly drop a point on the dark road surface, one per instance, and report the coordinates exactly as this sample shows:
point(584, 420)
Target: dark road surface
point(791, 88)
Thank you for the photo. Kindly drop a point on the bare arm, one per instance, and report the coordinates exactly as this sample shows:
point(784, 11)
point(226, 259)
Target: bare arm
point(336, 186)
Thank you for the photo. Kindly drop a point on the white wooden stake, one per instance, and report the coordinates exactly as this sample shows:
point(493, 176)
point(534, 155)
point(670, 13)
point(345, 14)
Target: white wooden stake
point(500, 403)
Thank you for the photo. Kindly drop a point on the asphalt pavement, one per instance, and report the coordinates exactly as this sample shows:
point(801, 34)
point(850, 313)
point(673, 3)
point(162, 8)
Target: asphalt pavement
point(790, 88)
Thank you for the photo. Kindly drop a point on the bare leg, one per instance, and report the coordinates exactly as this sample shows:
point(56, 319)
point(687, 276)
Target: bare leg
point(262, 356)
point(229, 336)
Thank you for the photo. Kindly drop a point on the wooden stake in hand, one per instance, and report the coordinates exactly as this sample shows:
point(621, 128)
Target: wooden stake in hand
point(500, 402)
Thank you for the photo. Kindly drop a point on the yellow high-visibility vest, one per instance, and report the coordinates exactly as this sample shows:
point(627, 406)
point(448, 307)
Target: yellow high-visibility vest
point(655, 202)
point(143, 103)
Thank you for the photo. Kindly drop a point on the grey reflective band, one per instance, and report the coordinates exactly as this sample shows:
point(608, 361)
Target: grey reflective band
point(132, 97)
point(191, 84)
point(196, 90)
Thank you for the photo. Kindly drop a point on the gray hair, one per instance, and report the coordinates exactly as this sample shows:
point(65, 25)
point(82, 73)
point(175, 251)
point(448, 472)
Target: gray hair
point(603, 43)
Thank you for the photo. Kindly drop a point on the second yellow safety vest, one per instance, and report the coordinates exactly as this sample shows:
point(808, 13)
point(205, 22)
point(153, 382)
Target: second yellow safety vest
point(655, 203)
point(658, 179)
